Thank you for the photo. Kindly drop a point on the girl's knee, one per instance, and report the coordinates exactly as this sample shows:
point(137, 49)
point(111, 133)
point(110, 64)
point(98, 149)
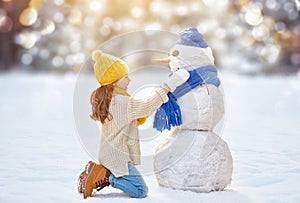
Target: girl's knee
point(143, 192)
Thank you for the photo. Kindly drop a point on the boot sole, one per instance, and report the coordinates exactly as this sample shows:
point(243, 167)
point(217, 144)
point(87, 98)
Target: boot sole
point(89, 174)
point(80, 189)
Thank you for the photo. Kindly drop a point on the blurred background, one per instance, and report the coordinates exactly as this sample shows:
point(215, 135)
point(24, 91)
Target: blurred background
point(247, 36)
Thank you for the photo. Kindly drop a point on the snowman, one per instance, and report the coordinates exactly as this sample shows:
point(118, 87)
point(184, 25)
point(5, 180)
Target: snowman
point(193, 156)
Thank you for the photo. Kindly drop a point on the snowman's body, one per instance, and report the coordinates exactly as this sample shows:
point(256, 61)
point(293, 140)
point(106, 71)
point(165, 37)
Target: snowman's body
point(193, 157)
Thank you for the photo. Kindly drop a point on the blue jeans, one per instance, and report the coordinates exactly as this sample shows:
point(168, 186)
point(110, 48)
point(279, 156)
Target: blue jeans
point(132, 184)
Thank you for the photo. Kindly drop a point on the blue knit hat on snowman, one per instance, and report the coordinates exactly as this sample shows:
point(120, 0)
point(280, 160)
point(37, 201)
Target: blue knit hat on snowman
point(192, 37)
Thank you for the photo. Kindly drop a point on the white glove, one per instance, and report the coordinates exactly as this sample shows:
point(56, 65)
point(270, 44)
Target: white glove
point(177, 78)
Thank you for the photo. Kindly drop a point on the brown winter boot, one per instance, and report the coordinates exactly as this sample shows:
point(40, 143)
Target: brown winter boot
point(83, 176)
point(97, 178)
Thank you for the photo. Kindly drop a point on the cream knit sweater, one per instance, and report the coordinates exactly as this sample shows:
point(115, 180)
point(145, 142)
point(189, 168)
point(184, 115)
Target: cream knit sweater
point(120, 137)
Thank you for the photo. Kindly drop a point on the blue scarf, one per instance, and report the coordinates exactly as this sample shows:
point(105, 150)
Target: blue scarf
point(169, 113)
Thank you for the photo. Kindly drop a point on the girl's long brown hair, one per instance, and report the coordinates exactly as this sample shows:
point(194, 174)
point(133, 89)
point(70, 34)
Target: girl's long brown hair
point(100, 100)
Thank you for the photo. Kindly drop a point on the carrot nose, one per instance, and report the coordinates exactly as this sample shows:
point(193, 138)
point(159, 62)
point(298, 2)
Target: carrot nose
point(164, 60)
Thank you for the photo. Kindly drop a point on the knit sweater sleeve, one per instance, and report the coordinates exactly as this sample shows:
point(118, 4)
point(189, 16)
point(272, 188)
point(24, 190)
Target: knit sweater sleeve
point(145, 107)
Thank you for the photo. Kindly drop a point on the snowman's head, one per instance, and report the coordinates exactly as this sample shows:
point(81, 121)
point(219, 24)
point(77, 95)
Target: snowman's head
point(190, 52)
point(189, 57)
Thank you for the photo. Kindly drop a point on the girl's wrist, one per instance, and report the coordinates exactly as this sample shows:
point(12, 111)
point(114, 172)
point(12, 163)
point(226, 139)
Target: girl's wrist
point(166, 88)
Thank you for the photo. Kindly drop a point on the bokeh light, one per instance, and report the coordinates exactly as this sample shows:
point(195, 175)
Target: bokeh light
point(47, 28)
point(297, 2)
point(182, 10)
point(27, 39)
point(104, 30)
point(6, 23)
point(273, 5)
point(57, 61)
point(261, 33)
point(58, 17)
point(95, 5)
point(265, 34)
point(79, 58)
point(28, 16)
point(75, 17)
point(59, 2)
point(44, 54)
point(75, 46)
point(270, 53)
point(253, 15)
point(280, 26)
point(26, 59)
point(136, 12)
point(70, 60)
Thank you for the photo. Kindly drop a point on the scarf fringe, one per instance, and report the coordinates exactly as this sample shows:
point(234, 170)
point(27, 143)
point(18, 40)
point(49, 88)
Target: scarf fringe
point(169, 114)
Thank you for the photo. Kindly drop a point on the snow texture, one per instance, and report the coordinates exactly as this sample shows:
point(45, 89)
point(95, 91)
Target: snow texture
point(192, 160)
point(41, 156)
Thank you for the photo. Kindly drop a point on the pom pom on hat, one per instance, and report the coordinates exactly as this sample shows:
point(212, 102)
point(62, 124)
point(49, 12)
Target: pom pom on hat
point(107, 68)
point(96, 54)
point(192, 37)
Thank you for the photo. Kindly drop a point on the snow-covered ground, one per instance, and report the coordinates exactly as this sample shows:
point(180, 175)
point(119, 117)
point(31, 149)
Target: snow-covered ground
point(41, 156)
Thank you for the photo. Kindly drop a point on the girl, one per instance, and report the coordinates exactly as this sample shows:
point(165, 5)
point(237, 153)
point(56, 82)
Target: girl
point(120, 116)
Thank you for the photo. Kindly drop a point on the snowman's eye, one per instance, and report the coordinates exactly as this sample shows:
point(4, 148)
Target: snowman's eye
point(175, 53)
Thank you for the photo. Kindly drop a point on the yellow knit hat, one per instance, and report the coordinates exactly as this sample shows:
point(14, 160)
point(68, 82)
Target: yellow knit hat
point(107, 68)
